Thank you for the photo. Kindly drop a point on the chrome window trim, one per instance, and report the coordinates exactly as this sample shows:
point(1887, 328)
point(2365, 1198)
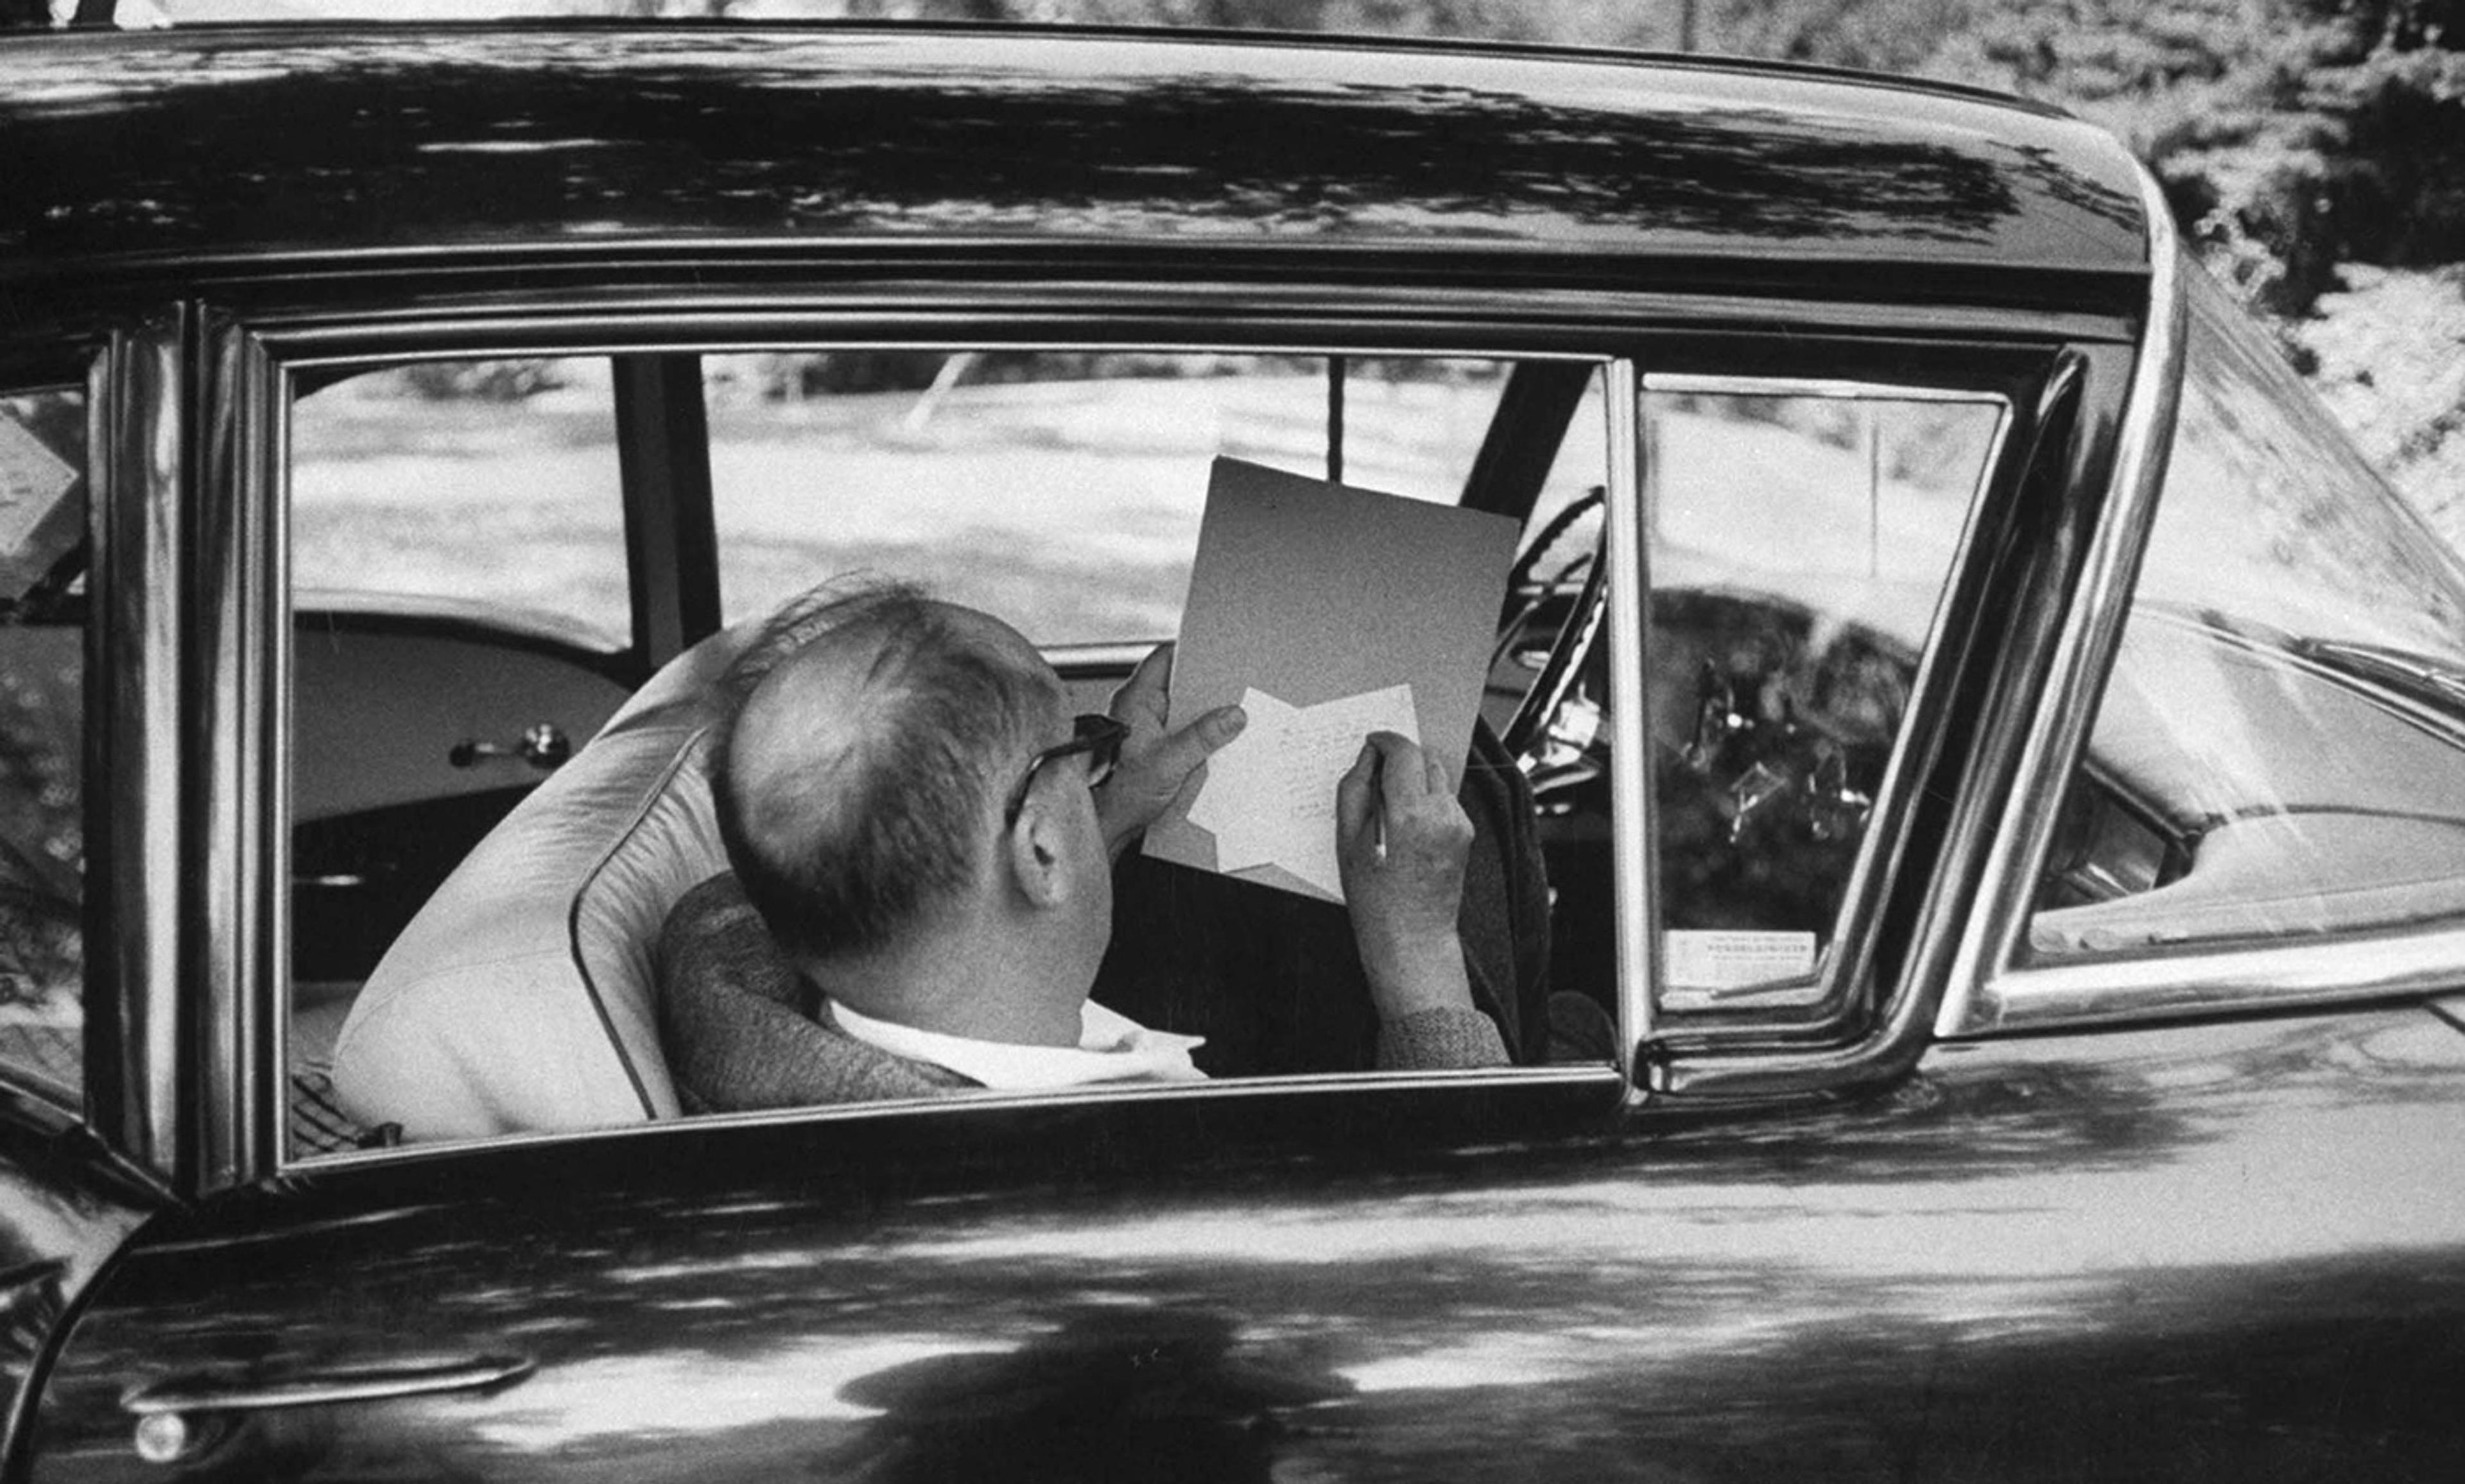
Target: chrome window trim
point(1835, 389)
point(279, 354)
point(1988, 989)
point(1632, 860)
point(965, 1102)
point(716, 318)
point(380, 345)
point(2171, 987)
point(1845, 990)
point(137, 421)
point(240, 616)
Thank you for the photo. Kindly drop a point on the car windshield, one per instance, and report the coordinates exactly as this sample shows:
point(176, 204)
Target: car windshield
point(2281, 748)
point(2271, 516)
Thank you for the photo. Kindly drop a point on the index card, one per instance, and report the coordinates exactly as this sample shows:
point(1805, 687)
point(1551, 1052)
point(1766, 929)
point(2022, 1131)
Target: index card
point(1269, 796)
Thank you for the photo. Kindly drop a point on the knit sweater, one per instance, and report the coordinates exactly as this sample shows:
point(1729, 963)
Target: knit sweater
point(743, 1030)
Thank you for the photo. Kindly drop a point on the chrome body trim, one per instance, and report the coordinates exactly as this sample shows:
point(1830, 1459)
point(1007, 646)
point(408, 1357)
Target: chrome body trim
point(136, 420)
point(1631, 855)
point(373, 1383)
point(224, 703)
point(1984, 982)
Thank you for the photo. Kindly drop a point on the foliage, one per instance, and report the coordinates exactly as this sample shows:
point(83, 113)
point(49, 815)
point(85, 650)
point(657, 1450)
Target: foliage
point(2291, 135)
point(482, 381)
point(2388, 356)
point(2303, 145)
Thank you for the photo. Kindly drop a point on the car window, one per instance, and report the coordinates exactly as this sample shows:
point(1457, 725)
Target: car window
point(2279, 750)
point(42, 728)
point(465, 962)
point(486, 488)
point(1798, 541)
point(1061, 489)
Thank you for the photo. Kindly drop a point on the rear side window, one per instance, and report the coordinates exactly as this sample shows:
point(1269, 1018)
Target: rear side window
point(42, 732)
point(480, 489)
point(2281, 748)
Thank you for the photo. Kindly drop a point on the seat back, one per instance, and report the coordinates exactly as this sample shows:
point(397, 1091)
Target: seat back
point(521, 997)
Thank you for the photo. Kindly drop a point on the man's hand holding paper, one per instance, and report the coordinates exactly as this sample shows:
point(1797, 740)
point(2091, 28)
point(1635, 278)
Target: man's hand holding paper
point(1155, 762)
point(1270, 796)
point(1353, 613)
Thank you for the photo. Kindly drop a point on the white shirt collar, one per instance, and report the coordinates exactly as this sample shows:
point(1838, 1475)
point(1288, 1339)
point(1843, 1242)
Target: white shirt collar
point(1112, 1048)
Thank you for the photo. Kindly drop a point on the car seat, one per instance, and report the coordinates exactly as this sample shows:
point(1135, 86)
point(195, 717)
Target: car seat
point(519, 998)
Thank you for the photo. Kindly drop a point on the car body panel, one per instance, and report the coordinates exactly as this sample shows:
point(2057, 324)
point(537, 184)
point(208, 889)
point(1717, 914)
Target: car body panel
point(65, 1209)
point(246, 143)
point(394, 707)
point(2215, 1251)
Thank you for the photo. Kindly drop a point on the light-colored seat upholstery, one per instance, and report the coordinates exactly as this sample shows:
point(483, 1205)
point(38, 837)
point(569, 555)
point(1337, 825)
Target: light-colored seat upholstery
point(521, 997)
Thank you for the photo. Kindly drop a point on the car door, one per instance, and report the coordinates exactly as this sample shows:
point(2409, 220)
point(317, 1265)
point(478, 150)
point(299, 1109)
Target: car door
point(2037, 1255)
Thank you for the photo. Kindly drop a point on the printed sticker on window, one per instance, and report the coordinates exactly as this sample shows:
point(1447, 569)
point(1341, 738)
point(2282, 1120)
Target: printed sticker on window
point(1730, 959)
point(33, 480)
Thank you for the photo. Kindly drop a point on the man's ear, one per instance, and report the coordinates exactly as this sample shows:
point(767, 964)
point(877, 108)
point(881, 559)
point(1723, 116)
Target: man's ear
point(1041, 867)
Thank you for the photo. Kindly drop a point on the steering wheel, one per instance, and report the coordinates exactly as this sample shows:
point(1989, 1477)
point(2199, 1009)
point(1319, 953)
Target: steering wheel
point(1572, 644)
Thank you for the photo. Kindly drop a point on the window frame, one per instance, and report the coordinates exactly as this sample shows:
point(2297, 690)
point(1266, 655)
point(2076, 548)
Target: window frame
point(2010, 581)
point(247, 1121)
point(1845, 987)
point(232, 373)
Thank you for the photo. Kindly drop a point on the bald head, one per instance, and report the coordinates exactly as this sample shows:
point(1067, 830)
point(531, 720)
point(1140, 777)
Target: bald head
point(866, 759)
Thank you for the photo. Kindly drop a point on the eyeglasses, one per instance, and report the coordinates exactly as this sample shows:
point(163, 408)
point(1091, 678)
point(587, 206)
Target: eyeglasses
point(1099, 737)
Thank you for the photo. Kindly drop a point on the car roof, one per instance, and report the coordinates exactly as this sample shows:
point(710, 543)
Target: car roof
point(245, 145)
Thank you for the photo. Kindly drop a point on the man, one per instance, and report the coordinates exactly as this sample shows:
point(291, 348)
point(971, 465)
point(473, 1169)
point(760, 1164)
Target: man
point(930, 838)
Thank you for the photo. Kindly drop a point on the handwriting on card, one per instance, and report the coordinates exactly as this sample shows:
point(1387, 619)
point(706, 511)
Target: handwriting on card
point(1268, 798)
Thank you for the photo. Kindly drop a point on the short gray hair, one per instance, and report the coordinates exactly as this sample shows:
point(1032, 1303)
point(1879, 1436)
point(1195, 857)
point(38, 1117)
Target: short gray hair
point(851, 872)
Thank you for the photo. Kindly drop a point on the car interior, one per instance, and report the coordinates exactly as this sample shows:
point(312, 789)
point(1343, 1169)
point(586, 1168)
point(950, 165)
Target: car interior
point(515, 579)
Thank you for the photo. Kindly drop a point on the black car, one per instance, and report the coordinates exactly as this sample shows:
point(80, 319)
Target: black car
point(1998, 756)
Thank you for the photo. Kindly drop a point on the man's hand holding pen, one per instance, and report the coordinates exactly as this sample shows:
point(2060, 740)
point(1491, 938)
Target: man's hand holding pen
point(1401, 843)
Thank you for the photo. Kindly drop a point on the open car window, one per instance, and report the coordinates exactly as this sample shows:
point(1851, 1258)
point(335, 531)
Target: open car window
point(477, 489)
point(2279, 750)
point(499, 905)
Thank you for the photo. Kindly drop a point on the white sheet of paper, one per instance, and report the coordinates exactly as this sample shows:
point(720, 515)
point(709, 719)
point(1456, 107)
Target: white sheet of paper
point(1268, 798)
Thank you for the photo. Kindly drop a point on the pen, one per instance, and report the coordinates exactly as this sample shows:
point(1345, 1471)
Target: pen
point(1378, 806)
